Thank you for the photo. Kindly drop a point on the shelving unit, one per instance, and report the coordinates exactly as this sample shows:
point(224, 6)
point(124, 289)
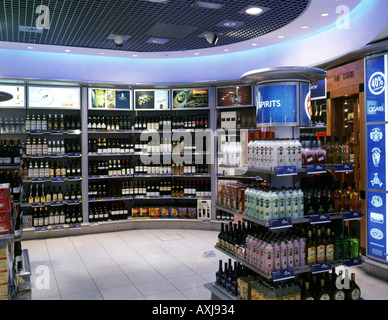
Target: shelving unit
point(286, 176)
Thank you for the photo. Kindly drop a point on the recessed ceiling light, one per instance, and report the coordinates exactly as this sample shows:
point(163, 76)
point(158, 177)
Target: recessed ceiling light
point(281, 37)
point(102, 52)
point(305, 27)
point(135, 55)
point(67, 50)
point(226, 49)
point(30, 47)
point(254, 44)
point(196, 53)
point(208, 5)
point(324, 14)
point(254, 10)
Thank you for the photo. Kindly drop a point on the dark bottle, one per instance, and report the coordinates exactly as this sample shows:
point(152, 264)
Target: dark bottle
point(219, 273)
point(308, 295)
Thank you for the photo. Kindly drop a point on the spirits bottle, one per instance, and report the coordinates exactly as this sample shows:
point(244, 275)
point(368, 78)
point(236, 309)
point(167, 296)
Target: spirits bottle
point(322, 293)
point(310, 249)
point(354, 292)
point(308, 295)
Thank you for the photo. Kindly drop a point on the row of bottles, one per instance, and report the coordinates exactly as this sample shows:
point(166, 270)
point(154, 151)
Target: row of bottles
point(96, 122)
point(265, 203)
point(331, 200)
point(59, 215)
point(114, 211)
point(52, 169)
point(227, 275)
point(15, 182)
point(160, 188)
point(11, 125)
point(166, 122)
point(315, 151)
point(271, 153)
point(269, 251)
point(10, 152)
point(40, 145)
point(55, 122)
point(110, 146)
point(39, 194)
point(330, 286)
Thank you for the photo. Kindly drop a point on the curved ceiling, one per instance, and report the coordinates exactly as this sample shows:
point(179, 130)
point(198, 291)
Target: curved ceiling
point(316, 31)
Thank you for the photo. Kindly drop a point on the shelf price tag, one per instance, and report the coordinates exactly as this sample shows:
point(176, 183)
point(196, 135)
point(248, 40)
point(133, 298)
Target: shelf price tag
point(56, 228)
point(41, 229)
point(319, 218)
point(352, 262)
point(56, 203)
point(315, 168)
point(343, 167)
point(75, 226)
point(73, 154)
point(320, 267)
point(286, 171)
point(72, 202)
point(37, 180)
point(57, 179)
point(352, 215)
point(280, 223)
point(284, 274)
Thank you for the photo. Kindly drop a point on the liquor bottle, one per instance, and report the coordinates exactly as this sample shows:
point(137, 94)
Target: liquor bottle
point(308, 295)
point(345, 150)
point(337, 293)
point(311, 249)
point(354, 246)
point(337, 150)
point(329, 246)
point(329, 150)
point(354, 202)
point(354, 292)
point(322, 293)
point(320, 247)
point(346, 244)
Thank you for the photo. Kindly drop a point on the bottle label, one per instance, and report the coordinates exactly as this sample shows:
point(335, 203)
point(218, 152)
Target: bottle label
point(355, 294)
point(325, 297)
point(340, 295)
point(311, 255)
point(320, 253)
point(330, 252)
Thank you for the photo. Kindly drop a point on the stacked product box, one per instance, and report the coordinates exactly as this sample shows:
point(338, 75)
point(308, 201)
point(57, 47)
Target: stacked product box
point(165, 212)
point(3, 270)
point(5, 208)
point(231, 194)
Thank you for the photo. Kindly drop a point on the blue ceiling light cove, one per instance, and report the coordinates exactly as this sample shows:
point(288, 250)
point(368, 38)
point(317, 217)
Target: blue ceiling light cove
point(88, 23)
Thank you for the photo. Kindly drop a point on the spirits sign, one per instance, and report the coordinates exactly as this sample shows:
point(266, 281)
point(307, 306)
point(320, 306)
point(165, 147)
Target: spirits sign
point(277, 104)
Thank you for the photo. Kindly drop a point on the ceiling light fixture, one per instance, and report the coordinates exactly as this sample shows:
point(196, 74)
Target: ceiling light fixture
point(281, 37)
point(305, 27)
point(324, 14)
point(67, 50)
point(254, 44)
point(254, 11)
point(30, 47)
point(211, 37)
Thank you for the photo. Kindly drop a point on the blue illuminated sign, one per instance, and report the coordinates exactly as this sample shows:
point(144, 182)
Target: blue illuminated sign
point(376, 84)
point(305, 104)
point(376, 156)
point(277, 104)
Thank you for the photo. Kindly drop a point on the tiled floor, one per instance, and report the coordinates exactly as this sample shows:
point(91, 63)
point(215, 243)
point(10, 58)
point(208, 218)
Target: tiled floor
point(151, 264)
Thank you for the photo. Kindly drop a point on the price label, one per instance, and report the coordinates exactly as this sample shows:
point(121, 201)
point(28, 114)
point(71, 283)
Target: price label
point(284, 274)
point(57, 179)
point(280, 223)
point(320, 218)
point(286, 171)
point(320, 267)
point(315, 168)
point(352, 215)
point(343, 167)
point(352, 262)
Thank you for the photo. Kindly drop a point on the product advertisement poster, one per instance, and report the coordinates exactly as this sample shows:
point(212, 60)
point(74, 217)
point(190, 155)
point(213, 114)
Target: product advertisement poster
point(18, 93)
point(190, 98)
point(377, 224)
point(67, 98)
point(151, 99)
point(109, 99)
point(375, 87)
point(238, 96)
point(277, 104)
point(305, 105)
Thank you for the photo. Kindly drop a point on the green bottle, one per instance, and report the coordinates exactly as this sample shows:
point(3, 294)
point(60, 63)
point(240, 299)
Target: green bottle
point(346, 245)
point(354, 245)
point(337, 248)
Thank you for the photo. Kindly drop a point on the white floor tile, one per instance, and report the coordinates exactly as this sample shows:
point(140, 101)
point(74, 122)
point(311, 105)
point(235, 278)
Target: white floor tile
point(173, 295)
point(186, 282)
point(88, 295)
point(112, 281)
point(73, 287)
point(155, 287)
point(128, 292)
point(145, 276)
